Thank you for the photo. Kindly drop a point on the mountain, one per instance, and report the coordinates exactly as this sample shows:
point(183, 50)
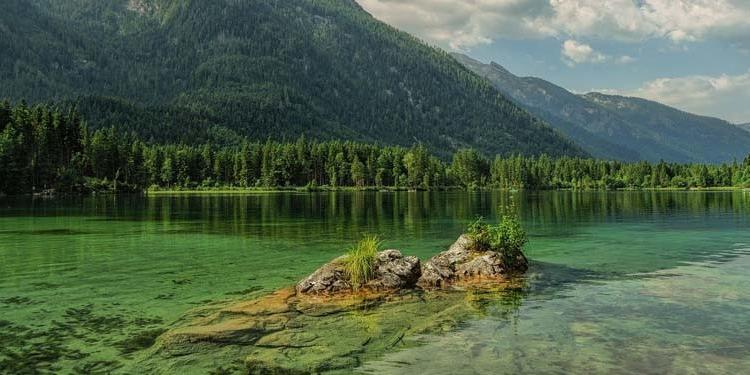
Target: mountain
point(617, 127)
point(745, 126)
point(704, 138)
point(216, 71)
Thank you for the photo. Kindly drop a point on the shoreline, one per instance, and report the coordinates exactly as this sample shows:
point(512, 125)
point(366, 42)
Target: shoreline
point(256, 191)
point(229, 191)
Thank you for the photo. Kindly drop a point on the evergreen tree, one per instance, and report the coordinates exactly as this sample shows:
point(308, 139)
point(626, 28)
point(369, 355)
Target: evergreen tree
point(358, 172)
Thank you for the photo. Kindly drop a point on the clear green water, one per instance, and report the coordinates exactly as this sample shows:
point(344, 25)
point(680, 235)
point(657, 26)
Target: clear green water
point(630, 282)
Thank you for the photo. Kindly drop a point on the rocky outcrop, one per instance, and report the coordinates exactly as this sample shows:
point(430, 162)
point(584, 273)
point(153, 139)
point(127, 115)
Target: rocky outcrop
point(461, 264)
point(299, 330)
point(391, 271)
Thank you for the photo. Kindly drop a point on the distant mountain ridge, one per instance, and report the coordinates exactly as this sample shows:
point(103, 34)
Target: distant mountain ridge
point(215, 71)
point(619, 127)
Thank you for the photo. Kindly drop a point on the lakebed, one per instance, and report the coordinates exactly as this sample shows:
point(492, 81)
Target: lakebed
point(618, 282)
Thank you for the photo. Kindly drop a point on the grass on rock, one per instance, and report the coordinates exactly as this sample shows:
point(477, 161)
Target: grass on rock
point(360, 260)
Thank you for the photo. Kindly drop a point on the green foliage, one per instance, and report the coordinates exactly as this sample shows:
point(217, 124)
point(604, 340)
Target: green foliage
point(360, 260)
point(480, 235)
point(39, 147)
point(469, 168)
point(508, 237)
point(216, 72)
point(48, 147)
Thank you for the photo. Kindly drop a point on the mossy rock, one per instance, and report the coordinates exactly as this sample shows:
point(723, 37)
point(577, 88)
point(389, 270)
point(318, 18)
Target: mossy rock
point(461, 265)
point(391, 272)
point(288, 333)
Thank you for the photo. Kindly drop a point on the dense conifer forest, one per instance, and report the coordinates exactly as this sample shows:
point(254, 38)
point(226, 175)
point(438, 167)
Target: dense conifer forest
point(228, 70)
point(44, 147)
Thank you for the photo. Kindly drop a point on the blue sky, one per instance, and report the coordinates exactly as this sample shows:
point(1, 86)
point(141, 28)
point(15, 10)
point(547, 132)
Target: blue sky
point(691, 54)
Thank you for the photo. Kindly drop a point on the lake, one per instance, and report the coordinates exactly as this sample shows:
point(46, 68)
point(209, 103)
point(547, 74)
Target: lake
point(620, 282)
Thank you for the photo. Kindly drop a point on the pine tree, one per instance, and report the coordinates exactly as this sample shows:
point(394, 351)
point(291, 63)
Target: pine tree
point(358, 172)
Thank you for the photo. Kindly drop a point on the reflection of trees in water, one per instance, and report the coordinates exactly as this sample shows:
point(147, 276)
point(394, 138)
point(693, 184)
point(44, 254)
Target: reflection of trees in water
point(347, 214)
point(573, 207)
point(344, 215)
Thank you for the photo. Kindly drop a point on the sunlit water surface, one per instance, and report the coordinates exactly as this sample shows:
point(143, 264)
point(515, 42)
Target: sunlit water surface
point(630, 282)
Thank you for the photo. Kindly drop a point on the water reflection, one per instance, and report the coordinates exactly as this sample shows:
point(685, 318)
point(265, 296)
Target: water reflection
point(358, 211)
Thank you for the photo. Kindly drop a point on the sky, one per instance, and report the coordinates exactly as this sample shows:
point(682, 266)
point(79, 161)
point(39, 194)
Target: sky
point(690, 54)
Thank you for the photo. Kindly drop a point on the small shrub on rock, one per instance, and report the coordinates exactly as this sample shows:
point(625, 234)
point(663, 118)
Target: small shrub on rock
point(507, 237)
point(480, 235)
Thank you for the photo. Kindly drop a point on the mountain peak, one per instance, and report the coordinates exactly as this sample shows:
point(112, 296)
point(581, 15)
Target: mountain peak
point(499, 68)
point(469, 61)
point(619, 127)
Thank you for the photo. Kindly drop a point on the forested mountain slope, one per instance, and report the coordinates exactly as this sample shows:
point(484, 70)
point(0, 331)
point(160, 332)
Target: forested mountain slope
point(587, 124)
point(699, 138)
point(617, 127)
point(216, 71)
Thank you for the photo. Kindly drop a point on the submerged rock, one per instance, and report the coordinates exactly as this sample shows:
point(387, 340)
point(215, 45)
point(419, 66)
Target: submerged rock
point(461, 264)
point(289, 333)
point(321, 325)
point(391, 271)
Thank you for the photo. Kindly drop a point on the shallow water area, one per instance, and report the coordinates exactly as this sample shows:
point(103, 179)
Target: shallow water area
point(625, 282)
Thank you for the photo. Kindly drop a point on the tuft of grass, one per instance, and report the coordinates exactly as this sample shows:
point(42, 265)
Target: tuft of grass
point(360, 260)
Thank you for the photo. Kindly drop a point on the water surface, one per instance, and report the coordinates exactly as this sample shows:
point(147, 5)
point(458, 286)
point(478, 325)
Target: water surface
point(627, 282)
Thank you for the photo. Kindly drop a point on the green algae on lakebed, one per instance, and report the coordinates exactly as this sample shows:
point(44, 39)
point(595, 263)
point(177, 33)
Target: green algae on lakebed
point(280, 333)
point(86, 282)
point(63, 343)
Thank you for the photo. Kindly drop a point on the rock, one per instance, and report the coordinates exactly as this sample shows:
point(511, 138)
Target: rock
point(331, 278)
point(392, 271)
point(462, 264)
point(298, 330)
point(489, 264)
point(274, 335)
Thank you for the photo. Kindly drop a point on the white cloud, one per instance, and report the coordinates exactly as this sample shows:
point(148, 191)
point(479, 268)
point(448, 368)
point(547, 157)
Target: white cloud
point(460, 24)
point(725, 96)
point(625, 59)
point(575, 52)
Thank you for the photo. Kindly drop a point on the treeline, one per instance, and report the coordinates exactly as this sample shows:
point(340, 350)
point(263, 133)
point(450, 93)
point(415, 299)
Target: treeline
point(46, 147)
